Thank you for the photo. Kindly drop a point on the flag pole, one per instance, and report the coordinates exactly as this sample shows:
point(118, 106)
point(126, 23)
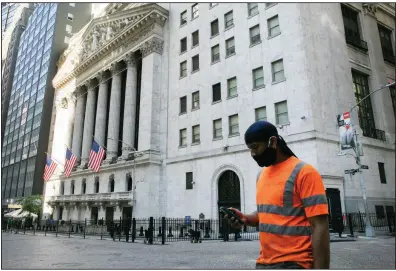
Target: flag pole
point(59, 163)
point(72, 151)
point(99, 142)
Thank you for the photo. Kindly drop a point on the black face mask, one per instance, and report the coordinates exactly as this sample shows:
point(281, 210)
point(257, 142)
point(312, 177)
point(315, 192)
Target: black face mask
point(267, 158)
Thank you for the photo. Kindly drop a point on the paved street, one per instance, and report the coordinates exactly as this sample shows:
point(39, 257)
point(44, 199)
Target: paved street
point(39, 252)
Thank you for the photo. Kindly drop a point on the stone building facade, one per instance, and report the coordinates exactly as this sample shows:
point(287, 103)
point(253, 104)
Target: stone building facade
point(169, 90)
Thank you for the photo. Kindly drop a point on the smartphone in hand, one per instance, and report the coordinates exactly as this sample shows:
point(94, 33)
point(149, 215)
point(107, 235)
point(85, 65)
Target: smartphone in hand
point(230, 214)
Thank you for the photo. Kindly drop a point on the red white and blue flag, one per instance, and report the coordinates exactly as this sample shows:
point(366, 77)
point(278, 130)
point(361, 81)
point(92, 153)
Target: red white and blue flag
point(71, 160)
point(49, 168)
point(96, 156)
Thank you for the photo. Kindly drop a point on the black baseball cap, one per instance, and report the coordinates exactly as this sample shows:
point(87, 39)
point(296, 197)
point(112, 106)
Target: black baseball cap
point(261, 131)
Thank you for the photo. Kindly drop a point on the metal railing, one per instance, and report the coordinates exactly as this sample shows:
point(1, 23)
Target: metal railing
point(374, 133)
point(356, 42)
point(163, 230)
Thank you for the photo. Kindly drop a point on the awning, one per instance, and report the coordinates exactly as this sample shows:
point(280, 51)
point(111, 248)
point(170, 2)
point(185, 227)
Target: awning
point(13, 213)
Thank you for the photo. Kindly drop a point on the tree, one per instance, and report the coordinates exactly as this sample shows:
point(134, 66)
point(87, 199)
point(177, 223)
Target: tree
point(31, 204)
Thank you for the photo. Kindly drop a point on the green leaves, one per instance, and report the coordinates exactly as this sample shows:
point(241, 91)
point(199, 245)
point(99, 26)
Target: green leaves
point(31, 204)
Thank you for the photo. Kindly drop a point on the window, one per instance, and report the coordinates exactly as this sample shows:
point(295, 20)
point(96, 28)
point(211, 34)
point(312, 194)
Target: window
point(386, 44)
point(62, 188)
point(183, 18)
point(70, 17)
point(214, 27)
point(96, 186)
point(72, 4)
point(379, 211)
point(69, 29)
point(183, 104)
point(258, 78)
point(252, 9)
point(365, 110)
point(390, 212)
point(215, 53)
point(228, 19)
point(233, 125)
point(67, 39)
point(269, 4)
point(254, 35)
point(351, 27)
point(195, 100)
point(183, 138)
point(183, 69)
point(195, 134)
point(72, 188)
point(189, 180)
point(83, 187)
point(211, 5)
point(232, 87)
point(230, 46)
point(381, 169)
point(261, 113)
point(281, 113)
point(277, 71)
point(194, 11)
point(216, 91)
point(195, 63)
point(273, 26)
point(217, 129)
point(195, 38)
point(183, 45)
point(111, 186)
point(393, 97)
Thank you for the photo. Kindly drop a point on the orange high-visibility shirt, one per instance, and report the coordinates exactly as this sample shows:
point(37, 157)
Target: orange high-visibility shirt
point(287, 194)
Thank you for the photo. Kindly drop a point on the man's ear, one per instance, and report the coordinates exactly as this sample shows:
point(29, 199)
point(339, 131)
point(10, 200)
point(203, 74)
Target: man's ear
point(272, 142)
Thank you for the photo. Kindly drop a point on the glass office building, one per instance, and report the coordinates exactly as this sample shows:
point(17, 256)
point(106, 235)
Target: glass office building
point(29, 113)
point(7, 14)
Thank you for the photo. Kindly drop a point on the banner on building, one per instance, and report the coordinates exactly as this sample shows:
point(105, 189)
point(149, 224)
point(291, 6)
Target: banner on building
point(347, 139)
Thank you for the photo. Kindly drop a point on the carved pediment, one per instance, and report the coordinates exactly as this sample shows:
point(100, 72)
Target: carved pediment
point(104, 34)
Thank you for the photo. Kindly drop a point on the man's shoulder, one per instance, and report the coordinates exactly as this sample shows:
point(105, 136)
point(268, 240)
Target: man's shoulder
point(307, 169)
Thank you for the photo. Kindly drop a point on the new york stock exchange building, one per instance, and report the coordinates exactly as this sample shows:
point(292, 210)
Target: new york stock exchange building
point(169, 90)
point(112, 85)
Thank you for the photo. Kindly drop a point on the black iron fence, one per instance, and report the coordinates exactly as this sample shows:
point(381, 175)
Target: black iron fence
point(162, 230)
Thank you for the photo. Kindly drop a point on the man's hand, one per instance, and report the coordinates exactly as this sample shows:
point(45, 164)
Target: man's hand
point(249, 220)
point(320, 241)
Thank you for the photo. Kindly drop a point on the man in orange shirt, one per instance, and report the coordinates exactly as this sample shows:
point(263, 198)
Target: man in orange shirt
point(292, 211)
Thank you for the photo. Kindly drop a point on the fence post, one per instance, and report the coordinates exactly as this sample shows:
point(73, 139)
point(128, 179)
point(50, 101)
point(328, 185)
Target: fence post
point(151, 230)
point(34, 230)
point(69, 227)
point(57, 228)
point(120, 229)
point(164, 227)
point(45, 228)
point(24, 228)
point(85, 226)
point(361, 222)
point(350, 223)
point(133, 229)
point(389, 223)
point(101, 230)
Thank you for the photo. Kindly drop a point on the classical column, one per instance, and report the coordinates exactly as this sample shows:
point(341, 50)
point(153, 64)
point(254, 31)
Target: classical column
point(128, 133)
point(149, 116)
point(88, 125)
point(79, 122)
point(101, 110)
point(114, 114)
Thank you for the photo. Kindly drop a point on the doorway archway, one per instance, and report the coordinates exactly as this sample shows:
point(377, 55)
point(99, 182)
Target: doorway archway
point(228, 192)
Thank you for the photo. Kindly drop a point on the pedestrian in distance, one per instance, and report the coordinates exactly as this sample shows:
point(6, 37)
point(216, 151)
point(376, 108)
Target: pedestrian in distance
point(292, 210)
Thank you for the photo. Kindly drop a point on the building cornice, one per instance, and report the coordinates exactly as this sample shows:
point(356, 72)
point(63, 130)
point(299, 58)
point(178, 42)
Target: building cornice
point(387, 8)
point(129, 25)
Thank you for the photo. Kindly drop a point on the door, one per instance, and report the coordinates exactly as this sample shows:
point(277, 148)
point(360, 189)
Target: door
point(334, 203)
point(229, 193)
point(127, 213)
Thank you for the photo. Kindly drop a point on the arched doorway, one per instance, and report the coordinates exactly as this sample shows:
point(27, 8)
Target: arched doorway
point(229, 192)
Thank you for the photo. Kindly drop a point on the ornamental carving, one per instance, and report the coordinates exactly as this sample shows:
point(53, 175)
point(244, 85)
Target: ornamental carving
point(370, 9)
point(130, 60)
point(115, 68)
point(103, 76)
point(153, 45)
point(101, 35)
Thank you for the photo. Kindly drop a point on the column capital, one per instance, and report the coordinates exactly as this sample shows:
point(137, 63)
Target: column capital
point(102, 76)
point(115, 68)
point(91, 84)
point(79, 91)
point(370, 9)
point(130, 60)
point(153, 45)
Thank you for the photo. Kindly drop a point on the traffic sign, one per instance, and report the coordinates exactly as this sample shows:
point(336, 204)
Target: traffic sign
point(364, 167)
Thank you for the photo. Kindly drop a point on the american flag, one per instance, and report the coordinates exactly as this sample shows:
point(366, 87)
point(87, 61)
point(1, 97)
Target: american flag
point(70, 162)
point(49, 168)
point(96, 156)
